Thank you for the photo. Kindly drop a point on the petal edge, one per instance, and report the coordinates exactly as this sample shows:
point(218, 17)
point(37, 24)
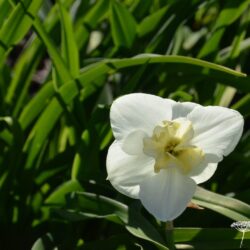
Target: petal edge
point(166, 195)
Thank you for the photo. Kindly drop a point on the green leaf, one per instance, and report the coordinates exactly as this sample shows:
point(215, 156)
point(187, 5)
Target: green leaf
point(19, 85)
point(90, 20)
point(59, 64)
point(87, 156)
point(5, 8)
point(187, 66)
point(17, 25)
point(161, 40)
point(243, 105)
point(69, 46)
point(42, 128)
point(97, 12)
point(229, 14)
point(123, 25)
point(27, 62)
point(86, 162)
point(58, 197)
point(227, 206)
point(211, 238)
point(151, 22)
point(89, 75)
point(84, 205)
point(224, 54)
point(117, 242)
point(54, 167)
point(36, 105)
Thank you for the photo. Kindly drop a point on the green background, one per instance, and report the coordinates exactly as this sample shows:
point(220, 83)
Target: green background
point(62, 63)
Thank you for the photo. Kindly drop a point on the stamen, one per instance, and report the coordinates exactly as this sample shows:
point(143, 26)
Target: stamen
point(169, 145)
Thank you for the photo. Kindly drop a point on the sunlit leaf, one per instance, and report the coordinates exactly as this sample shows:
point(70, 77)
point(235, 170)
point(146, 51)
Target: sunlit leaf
point(227, 206)
point(123, 25)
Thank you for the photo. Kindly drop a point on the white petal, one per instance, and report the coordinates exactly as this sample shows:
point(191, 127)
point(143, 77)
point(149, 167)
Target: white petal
point(138, 111)
point(133, 143)
point(182, 109)
point(126, 172)
point(217, 130)
point(207, 172)
point(166, 194)
point(185, 131)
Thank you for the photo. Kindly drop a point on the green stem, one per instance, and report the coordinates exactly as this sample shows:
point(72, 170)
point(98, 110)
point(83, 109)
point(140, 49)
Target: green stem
point(169, 231)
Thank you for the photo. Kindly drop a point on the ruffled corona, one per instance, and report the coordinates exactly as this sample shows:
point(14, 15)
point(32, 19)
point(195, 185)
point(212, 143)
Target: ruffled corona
point(170, 146)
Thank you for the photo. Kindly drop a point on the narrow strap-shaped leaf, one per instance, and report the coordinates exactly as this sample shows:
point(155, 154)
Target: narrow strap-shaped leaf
point(227, 206)
point(210, 238)
point(18, 88)
point(17, 25)
point(59, 64)
point(87, 78)
point(123, 25)
point(91, 205)
point(243, 105)
point(69, 46)
point(36, 105)
point(42, 128)
point(5, 8)
point(96, 13)
point(150, 22)
point(188, 66)
point(27, 62)
point(231, 12)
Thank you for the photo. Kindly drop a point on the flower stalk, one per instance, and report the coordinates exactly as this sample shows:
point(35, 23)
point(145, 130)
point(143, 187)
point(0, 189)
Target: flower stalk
point(169, 233)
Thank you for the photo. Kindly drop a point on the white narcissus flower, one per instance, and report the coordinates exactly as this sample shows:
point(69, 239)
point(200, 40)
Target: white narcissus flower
point(163, 149)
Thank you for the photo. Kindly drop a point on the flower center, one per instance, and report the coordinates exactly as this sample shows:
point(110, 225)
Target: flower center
point(169, 146)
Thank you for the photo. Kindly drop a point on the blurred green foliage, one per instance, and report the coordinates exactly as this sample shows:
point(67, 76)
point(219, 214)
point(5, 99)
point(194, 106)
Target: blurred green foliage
point(61, 65)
